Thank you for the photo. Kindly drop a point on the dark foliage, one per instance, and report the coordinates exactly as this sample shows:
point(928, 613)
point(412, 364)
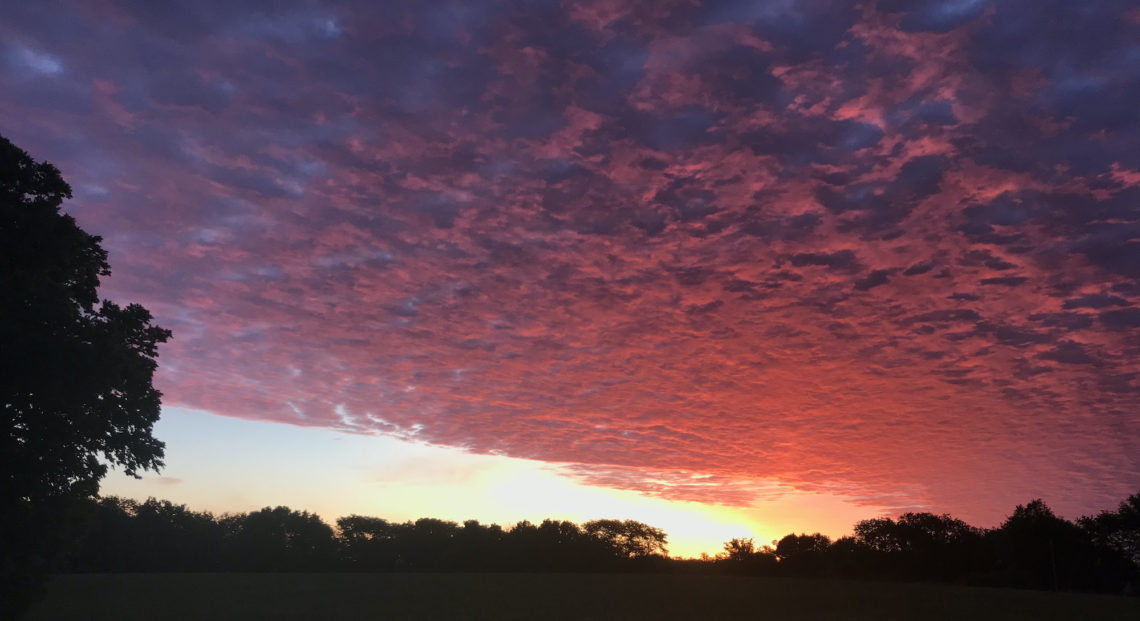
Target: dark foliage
point(1119, 530)
point(628, 539)
point(127, 536)
point(803, 555)
point(1037, 549)
point(76, 375)
point(741, 556)
point(1033, 548)
point(921, 545)
point(279, 539)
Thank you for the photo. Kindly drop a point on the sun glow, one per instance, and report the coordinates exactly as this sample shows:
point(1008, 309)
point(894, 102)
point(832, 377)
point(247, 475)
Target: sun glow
point(224, 464)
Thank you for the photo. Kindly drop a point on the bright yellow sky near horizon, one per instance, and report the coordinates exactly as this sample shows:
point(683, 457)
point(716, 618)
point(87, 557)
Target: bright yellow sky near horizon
point(220, 464)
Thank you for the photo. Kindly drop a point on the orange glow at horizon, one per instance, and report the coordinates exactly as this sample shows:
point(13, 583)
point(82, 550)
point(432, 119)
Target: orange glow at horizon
point(222, 465)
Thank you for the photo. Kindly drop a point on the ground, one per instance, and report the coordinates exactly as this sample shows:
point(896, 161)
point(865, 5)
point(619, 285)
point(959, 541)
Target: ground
point(547, 597)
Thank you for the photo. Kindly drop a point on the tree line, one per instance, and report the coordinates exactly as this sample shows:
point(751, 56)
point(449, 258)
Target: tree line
point(1032, 548)
point(123, 535)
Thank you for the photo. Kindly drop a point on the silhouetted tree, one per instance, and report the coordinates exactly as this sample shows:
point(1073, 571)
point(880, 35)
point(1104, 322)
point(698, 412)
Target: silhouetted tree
point(803, 555)
point(75, 377)
point(155, 535)
point(879, 534)
point(368, 543)
point(107, 541)
point(280, 539)
point(739, 549)
point(171, 537)
point(1039, 550)
point(849, 558)
point(742, 556)
point(557, 546)
point(430, 545)
point(476, 546)
point(1119, 530)
point(920, 546)
point(629, 538)
point(521, 545)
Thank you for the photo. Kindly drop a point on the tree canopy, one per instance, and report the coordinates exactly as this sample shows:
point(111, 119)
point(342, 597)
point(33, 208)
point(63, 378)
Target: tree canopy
point(1032, 549)
point(76, 391)
point(629, 538)
point(76, 377)
point(1118, 529)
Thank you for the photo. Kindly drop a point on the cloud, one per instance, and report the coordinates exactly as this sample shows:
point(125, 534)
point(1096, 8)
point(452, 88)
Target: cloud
point(37, 62)
point(840, 259)
point(872, 280)
point(934, 15)
point(1123, 319)
point(1007, 281)
point(665, 244)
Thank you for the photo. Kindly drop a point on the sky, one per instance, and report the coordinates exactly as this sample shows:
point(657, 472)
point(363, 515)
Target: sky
point(736, 268)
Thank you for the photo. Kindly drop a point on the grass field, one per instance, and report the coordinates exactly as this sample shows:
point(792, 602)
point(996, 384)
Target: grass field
point(546, 597)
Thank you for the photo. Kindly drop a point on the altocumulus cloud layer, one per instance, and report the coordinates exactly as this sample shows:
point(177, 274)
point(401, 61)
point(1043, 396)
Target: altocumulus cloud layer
point(887, 250)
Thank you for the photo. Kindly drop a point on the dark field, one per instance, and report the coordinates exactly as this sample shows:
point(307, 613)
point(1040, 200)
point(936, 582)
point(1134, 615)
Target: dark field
point(546, 596)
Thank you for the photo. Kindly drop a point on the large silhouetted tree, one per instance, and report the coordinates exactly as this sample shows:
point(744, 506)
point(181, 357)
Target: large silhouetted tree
point(154, 535)
point(1119, 530)
point(922, 545)
point(803, 554)
point(76, 387)
point(369, 543)
point(742, 556)
point(629, 538)
point(280, 539)
point(1039, 549)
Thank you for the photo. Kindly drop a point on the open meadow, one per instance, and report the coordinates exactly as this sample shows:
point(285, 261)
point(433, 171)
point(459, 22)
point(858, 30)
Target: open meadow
point(546, 596)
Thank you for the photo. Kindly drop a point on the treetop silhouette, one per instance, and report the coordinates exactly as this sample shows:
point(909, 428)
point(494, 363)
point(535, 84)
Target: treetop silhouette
point(76, 375)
